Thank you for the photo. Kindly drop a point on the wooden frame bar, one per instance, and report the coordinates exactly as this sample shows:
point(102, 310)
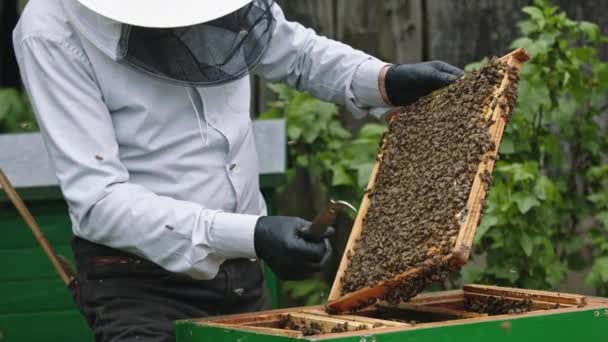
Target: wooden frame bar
point(339, 302)
point(434, 310)
point(362, 319)
point(533, 295)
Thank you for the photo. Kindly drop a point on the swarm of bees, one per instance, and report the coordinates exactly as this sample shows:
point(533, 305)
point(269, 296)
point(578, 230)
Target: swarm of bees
point(307, 329)
point(430, 157)
point(314, 328)
point(498, 305)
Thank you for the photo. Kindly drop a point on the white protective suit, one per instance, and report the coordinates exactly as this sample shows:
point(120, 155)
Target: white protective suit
point(162, 171)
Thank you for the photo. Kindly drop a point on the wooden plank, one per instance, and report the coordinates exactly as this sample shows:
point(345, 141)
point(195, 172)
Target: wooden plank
point(404, 31)
point(441, 297)
point(250, 318)
point(316, 14)
point(464, 31)
point(27, 163)
point(460, 254)
point(535, 295)
point(34, 296)
point(434, 310)
point(362, 319)
point(597, 300)
point(452, 299)
point(261, 330)
point(64, 326)
point(29, 263)
point(391, 30)
point(52, 217)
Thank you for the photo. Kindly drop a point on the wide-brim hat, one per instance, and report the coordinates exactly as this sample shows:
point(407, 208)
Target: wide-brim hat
point(164, 13)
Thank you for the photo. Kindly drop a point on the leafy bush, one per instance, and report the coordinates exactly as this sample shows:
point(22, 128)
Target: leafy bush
point(549, 200)
point(336, 161)
point(15, 112)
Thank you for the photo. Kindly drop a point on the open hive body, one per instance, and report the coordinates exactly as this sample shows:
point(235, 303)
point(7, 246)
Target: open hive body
point(474, 313)
point(495, 112)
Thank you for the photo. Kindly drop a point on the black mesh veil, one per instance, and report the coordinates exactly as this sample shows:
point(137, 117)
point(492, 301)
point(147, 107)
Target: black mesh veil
point(207, 54)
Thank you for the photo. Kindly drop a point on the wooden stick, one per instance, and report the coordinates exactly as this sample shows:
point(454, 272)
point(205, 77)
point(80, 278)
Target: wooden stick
point(463, 243)
point(14, 197)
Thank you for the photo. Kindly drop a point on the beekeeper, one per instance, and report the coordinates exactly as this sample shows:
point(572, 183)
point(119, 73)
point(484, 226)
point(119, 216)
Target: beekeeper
point(144, 109)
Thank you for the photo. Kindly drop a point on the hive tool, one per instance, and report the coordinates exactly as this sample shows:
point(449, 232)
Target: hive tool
point(318, 228)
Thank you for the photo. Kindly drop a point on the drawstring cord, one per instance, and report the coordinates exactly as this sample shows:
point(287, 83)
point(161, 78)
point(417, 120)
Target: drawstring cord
point(205, 136)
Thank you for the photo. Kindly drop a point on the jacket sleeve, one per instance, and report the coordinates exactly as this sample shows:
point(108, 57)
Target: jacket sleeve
point(105, 207)
point(327, 69)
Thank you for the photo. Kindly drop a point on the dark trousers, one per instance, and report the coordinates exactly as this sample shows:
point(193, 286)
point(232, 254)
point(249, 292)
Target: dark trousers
point(125, 298)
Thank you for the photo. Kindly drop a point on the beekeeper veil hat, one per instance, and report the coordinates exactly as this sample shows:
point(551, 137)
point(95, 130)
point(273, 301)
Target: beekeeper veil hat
point(188, 42)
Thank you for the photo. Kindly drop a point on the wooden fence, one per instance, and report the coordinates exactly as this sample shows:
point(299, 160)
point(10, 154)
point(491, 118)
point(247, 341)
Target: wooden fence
point(457, 31)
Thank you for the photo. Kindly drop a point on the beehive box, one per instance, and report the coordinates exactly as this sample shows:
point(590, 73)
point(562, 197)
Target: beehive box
point(475, 313)
point(425, 196)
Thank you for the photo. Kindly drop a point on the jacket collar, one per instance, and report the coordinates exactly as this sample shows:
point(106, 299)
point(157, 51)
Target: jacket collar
point(102, 32)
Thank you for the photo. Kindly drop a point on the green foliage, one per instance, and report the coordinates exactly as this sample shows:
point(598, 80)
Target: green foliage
point(306, 292)
point(318, 142)
point(338, 164)
point(551, 181)
point(15, 112)
point(598, 234)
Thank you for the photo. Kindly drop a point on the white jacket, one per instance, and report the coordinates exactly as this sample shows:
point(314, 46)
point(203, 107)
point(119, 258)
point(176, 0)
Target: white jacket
point(155, 169)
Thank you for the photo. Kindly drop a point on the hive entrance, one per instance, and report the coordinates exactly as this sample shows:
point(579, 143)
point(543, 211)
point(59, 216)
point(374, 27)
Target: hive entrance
point(417, 222)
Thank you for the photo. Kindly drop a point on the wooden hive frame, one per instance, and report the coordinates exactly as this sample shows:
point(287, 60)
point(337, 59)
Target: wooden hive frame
point(470, 216)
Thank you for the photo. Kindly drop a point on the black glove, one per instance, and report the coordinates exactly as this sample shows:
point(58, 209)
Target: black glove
point(405, 83)
point(284, 246)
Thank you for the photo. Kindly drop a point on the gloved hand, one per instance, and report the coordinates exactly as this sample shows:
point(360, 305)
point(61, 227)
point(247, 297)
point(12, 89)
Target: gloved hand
point(405, 83)
point(284, 246)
